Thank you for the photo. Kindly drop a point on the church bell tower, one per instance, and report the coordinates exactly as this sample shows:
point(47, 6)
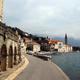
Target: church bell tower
point(66, 39)
point(1, 10)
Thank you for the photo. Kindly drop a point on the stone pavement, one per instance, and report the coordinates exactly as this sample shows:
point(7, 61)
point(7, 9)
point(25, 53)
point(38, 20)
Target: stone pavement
point(38, 69)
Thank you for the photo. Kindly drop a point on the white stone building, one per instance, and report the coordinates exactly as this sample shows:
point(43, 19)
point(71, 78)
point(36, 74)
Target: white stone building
point(65, 48)
point(36, 47)
point(60, 46)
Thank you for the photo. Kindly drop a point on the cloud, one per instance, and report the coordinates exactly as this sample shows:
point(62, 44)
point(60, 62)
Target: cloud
point(44, 16)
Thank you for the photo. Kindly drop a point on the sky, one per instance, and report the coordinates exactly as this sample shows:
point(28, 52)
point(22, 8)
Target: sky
point(50, 17)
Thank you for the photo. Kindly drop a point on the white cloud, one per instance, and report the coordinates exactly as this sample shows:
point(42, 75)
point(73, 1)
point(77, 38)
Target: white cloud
point(41, 16)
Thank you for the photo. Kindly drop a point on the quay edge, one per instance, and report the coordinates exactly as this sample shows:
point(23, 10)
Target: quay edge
point(62, 72)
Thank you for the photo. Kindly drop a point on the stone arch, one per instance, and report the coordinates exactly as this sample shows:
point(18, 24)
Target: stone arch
point(3, 56)
point(15, 55)
point(10, 57)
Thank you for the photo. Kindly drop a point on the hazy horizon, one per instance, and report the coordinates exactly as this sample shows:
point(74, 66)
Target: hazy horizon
point(50, 17)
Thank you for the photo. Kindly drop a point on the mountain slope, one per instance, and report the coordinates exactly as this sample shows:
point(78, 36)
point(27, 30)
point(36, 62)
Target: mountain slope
point(72, 41)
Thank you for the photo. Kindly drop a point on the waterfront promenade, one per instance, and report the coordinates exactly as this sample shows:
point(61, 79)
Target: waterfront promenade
point(41, 70)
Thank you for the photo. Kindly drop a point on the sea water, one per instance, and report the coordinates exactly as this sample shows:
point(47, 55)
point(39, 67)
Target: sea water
point(69, 63)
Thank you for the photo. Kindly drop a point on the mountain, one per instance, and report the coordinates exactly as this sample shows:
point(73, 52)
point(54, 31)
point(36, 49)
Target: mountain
point(72, 41)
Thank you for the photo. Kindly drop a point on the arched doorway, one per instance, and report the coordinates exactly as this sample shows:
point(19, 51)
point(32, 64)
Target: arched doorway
point(3, 57)
point(10, 57)
point(15, 56)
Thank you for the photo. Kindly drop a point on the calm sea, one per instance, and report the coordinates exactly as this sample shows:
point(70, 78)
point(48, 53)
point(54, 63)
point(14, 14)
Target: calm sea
point(69, 63)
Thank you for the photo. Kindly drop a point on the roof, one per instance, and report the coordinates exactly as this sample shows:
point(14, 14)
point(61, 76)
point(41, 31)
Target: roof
point(54, 41)
point(35, 43)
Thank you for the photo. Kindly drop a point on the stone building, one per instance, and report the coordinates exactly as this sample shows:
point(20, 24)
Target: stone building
point(36, 47)
point(10, 54)
point(31, 44)
point(60, 46)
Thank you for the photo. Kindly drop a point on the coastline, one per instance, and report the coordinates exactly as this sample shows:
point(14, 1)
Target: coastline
point(61, 71)
point(39, 69)
point(69, 63)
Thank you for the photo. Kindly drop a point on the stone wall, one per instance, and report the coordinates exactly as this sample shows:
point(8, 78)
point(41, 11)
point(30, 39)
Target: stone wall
point(9, 48)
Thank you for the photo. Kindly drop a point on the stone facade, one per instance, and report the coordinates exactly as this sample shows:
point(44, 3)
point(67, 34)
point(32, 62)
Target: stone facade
point(9, 48)
point(36, 47)
point(60, 46)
